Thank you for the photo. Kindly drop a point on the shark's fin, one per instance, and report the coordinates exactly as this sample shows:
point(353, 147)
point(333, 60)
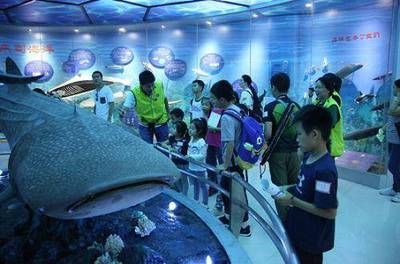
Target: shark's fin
point(13, 75)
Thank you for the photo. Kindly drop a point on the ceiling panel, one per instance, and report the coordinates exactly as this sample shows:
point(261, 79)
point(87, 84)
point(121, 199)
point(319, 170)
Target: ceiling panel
point(3, 18)
point(191, 9)
point(152, 2)
point(69, 1)
point(42, 13)
point(111, 12)
point(8, 3)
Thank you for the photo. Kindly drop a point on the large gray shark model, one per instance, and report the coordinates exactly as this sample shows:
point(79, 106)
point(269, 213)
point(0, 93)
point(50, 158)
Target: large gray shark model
point(67, 163)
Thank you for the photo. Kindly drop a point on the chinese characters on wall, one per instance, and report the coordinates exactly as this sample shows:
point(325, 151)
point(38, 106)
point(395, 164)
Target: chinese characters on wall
point(355, 37)
point(25, 48)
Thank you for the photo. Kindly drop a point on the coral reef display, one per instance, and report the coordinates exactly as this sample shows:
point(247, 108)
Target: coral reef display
point(180, 237)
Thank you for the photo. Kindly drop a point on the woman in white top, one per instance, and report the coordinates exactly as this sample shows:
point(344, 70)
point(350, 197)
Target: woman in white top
point(249, 98)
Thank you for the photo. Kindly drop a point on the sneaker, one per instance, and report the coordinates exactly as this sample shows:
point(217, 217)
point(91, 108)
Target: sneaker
point(246, 232)
point(205, 206)
point(396, 198)
point(218, 212)
point(224, 220)
point(388, 192)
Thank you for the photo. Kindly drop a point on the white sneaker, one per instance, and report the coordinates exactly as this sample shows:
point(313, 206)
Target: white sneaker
point(217, 212)
point(388, 192)
point(396, 198)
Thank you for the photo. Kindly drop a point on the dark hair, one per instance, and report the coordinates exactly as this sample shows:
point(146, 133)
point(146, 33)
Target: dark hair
point(223, 89)
point(397, 83)
point(281, 81)
point(200, 83)
point(146, 77)
point(181, 129)
point(247, 79)
point(201, 126)
point(98, 72)
point(331, 82)
point(40, 91)
point(336, 81)
point(177, 112)
point(256, 112)
point(249, 82)
point(315, 117)
point(236, 97)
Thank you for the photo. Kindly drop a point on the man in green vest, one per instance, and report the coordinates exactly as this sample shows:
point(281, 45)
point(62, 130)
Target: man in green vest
point(151, 107)
point(325, 89)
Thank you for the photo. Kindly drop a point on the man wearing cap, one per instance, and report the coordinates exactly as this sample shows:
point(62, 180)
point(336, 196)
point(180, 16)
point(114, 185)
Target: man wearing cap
point(151, 107)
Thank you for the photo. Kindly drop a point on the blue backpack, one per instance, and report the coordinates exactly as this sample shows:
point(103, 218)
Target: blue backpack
point(251, 140)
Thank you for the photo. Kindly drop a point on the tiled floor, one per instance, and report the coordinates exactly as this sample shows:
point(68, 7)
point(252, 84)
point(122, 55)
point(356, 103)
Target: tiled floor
point(367, 228)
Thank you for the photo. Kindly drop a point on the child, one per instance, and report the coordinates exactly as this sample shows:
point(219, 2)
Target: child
point(179, 143)
point(310, 221)
point(197, 151)
point(214, 152)
point(175, 115)
point(223, 96)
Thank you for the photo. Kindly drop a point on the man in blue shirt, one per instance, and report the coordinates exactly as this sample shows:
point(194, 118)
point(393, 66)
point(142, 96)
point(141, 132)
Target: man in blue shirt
point(310, 222)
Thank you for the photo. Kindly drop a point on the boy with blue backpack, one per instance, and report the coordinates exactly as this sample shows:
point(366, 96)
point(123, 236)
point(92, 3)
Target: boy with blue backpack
point(242, 141)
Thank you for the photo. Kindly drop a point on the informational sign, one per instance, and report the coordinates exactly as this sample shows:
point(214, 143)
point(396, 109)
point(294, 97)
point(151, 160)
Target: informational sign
point(357, 37)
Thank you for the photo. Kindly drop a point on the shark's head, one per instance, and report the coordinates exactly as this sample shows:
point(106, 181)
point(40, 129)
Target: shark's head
point(68, 163)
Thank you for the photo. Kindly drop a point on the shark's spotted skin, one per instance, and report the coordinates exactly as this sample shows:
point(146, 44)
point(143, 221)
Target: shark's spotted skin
point(67, 163)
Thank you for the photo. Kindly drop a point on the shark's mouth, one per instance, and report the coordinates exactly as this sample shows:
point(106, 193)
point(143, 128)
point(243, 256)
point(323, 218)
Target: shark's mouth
point(110, 200)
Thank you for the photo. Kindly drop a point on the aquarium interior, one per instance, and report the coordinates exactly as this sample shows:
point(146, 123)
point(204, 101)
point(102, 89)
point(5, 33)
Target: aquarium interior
point(68, 40)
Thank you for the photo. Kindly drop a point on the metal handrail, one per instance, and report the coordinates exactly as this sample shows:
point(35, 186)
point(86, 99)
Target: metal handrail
point(275, 229)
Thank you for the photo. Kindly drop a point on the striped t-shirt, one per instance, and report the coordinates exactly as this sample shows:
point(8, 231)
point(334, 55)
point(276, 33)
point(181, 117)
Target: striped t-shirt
point(392, 134)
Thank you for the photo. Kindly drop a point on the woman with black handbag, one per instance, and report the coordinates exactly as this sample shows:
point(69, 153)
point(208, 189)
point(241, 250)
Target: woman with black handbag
point(393, 137)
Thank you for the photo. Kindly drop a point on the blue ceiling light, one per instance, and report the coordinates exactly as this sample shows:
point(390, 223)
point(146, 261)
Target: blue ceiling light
point(119, 12)
point(46, 13)
point(109, 12)
point(191, 9)
point(75, 2)
point(152, 2)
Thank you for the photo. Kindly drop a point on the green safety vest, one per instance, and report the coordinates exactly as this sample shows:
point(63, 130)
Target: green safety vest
point(151, 109)
point(337, 141)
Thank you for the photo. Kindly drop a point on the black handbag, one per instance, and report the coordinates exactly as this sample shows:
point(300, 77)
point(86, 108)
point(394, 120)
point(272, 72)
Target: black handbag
point(397, 125)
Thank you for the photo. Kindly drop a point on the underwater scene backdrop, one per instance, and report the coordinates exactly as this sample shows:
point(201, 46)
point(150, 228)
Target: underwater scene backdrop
point(304, 46)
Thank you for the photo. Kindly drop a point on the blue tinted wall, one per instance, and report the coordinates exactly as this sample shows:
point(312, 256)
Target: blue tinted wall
point(304, 46)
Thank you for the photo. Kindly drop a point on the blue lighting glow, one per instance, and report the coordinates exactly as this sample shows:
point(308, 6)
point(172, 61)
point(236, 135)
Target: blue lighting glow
point(46, 13)
point(192, 9)
point(172, 206)
point(110, 12)
point(8, 3)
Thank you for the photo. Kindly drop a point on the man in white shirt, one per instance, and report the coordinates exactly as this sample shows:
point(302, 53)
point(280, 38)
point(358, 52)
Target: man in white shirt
point(103, 98)
point(198, 105)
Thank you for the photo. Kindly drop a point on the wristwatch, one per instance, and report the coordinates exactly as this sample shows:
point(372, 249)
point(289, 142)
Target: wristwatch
point(291, 201)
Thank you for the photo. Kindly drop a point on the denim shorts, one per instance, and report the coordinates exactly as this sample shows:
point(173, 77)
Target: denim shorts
point(147, 133)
